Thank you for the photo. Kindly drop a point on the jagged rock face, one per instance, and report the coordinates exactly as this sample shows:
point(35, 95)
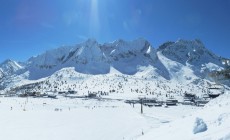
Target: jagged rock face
point(127, 57)
point(1, 74)
point(135, 48)
point(45, 64)
point(79, 54)
point(9, 67)
point(86, 57)
point(222, 76)
point(226, 62)
point(49, 59)
point(90, 57)
point(191, 52)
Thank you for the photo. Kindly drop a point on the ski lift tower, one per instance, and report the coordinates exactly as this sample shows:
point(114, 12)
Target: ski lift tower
point(141, 97)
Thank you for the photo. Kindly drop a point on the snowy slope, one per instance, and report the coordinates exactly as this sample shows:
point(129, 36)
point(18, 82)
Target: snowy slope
point(90, 57)
point(1, 73)
point(192, 54)
point(185, 63)
point(79, 119)
point(118, 71)
point(127, 56)
point(115, 84)
point(189, 51)
point(86, 57)
point(216, 124)
point(9, 67)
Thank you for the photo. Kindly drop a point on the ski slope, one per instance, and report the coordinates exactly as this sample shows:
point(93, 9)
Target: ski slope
point(71, 119)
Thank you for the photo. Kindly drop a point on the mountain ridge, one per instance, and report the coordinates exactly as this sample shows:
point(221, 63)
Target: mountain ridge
point(172, 60)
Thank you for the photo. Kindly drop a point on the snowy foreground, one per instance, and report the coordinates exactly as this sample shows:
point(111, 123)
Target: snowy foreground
point(81, 119)
point(215, 125)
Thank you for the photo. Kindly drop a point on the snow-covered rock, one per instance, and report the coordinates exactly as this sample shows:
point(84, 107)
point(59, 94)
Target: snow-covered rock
point(214, 124)
point(199, 126)
point(86, 57)
point(127, 56)
point(9, 67)
point(192, 55)
point(122, 70)
point(187, 62)
point(90, 57)
point(186, 51)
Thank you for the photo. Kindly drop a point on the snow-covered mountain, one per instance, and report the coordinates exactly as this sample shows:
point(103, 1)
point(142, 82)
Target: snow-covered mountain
point(192, 54)
point(9, 67)
point(90, 57)
point(127, 57)
point(86, 57)
point(118, 71)
point(183, 61)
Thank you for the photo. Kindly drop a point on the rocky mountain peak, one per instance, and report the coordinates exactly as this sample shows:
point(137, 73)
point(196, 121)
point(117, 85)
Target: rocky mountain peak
point(188, 51)
point(9, 67)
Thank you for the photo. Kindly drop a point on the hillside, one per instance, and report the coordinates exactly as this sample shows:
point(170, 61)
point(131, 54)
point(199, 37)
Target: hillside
point(106, 88)
point(211, 122)
point(130, 68)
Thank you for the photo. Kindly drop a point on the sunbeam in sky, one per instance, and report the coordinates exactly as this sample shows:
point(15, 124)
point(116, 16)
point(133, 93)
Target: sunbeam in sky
point(94, 19)
point(32, 27)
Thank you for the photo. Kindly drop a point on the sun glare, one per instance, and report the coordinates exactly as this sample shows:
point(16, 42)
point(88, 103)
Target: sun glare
point(94, 19)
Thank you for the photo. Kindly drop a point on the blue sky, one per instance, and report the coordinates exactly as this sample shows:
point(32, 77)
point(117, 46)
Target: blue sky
point(29, 27)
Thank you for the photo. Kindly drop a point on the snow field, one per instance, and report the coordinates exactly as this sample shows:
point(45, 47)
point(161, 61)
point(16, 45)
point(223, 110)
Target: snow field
point(71, 119)
point(216, 115)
